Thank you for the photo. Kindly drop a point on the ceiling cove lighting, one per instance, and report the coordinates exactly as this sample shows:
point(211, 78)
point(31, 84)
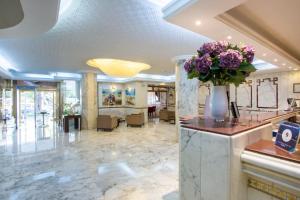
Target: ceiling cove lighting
point(5, 64)
point(263, 65)
point(139, 77)
point(160, 2)
point(118, 68)
point(64, 6)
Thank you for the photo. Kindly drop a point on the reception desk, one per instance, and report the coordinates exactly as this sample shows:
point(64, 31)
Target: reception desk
point(215, 159)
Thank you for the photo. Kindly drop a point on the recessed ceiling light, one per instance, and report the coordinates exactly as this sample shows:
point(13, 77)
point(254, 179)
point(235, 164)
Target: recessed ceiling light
point(229, 37)
point(275, 60)
point(290, 67)
point(296, 69)
point(264, 54)
point(283, 64)
point(198, 23)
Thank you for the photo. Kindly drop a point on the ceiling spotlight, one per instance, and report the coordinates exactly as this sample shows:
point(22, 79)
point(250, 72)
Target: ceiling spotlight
point(264, 54)
point(229, 37)
point(275, 60)
point(283, 64)
point(296, 69)
point(290, 67)
point(198, 23)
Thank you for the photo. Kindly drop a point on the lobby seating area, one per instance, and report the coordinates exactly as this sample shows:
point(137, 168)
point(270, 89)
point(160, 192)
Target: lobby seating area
point(149, 100)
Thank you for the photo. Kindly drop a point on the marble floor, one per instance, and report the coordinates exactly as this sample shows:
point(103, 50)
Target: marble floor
point(126, 164)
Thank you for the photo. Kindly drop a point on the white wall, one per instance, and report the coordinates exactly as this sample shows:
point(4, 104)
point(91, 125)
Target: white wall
point(285, 89)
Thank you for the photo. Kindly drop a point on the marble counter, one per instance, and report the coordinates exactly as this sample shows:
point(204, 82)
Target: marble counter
point(233, 126)
point(210, 164)
point(267, 147)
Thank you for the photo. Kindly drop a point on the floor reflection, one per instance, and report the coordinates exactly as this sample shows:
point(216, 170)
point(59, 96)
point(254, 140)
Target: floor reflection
point(30, 139)
point(127, 164)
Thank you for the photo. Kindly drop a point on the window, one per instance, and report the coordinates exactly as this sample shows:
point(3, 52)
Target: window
point(152, 98)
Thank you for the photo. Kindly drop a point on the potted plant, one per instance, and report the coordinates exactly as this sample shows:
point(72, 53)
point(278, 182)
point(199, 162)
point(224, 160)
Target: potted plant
point(221, 63)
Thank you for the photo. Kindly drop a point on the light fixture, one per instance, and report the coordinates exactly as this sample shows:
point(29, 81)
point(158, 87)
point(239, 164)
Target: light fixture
point(290, 67)
point(283, 64)
point(275, 60)
point(113, 88)
point(296, 69)
point(264, 54)
point(198, 23)
point(263, 65)
point(229, 37)
point(118, 68)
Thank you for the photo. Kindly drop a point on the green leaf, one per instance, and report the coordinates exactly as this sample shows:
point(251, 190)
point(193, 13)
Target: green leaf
point(247, 68)
point(204, 77)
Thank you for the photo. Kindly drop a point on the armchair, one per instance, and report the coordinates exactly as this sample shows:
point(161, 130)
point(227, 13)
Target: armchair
point(135, 119)
point(106, 122)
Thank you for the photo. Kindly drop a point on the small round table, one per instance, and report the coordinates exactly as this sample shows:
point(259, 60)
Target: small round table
point(43, 114)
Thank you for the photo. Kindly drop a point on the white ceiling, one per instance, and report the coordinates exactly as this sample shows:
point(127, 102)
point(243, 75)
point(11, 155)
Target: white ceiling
point(218, 20)
point(122, 29)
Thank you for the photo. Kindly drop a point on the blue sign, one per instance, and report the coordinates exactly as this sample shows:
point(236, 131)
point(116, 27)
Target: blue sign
point(288, 136)
point(25, 87)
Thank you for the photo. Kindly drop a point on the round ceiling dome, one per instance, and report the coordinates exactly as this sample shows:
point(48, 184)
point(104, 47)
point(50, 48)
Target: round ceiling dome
point(118, 68)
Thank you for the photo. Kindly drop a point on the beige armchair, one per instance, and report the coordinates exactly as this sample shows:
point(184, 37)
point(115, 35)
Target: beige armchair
point(166, 115)
point(106, 122)
point(135, 119)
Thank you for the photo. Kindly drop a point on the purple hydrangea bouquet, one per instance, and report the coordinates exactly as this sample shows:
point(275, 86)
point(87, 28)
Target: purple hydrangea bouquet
point(221, 63)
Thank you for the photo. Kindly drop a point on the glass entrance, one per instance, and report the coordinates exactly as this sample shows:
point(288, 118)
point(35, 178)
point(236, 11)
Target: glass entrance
point(36, 107)
point(26, 114)
point(45, 106)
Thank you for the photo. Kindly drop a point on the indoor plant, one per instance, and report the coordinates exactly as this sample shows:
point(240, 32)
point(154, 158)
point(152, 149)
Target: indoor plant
point(221, 63)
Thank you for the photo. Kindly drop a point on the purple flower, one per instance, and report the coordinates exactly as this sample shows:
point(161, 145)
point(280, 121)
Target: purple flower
point(214, 48)
point(203, 64)
point(220, 46)
point(188, 65)
point(248, 52)
point(207, 48)
point(230, 59)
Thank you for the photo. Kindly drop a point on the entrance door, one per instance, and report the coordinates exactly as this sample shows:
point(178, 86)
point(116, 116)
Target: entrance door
point(26, 108)
point(45, 106)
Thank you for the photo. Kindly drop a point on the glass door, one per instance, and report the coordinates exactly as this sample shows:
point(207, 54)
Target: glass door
point(45, 107)
point(26, 107)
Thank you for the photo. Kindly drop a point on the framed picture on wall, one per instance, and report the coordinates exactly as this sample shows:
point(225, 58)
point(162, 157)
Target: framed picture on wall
point(297, 101)
point(296, 87)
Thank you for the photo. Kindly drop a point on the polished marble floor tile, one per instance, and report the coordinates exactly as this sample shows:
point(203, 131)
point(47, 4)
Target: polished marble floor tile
point(126, 164)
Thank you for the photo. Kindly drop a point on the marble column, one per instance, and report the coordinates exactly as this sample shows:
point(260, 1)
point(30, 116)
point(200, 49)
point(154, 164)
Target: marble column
point(186, 91)
point(89, 101)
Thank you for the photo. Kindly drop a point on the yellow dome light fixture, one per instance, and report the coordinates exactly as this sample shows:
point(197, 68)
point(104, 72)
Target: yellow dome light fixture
point(118, 68)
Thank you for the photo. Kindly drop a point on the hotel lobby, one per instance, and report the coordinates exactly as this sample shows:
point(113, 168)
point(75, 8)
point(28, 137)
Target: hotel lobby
point(149, 100)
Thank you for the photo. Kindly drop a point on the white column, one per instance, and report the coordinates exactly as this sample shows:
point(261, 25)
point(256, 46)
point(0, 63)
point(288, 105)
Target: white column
point(186, 91)
point(89, 101)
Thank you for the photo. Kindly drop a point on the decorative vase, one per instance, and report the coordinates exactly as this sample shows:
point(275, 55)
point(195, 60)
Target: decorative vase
point(219, 103)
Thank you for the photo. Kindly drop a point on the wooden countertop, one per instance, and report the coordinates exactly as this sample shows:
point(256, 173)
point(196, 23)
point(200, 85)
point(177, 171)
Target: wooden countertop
point(268, 148)
point(232, 126)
